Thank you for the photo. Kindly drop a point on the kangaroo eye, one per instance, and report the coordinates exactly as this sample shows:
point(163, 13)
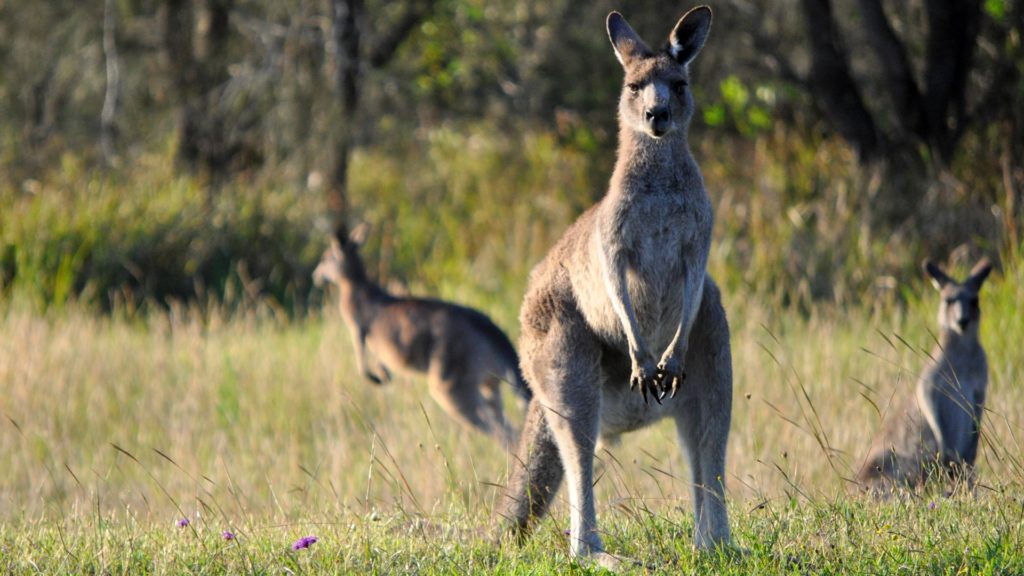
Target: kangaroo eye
point(633, 87)
point(679, 86)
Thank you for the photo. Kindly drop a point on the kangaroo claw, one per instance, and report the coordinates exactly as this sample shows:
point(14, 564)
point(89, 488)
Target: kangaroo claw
point(644, 377)
point(669, 377)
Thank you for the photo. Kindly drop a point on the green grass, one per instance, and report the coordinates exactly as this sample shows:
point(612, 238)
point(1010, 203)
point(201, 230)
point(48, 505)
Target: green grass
point(957, 536)
point(117, 426)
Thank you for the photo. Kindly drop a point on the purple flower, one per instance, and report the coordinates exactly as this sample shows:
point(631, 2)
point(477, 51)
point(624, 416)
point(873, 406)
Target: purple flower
point(227, 535)
point(183, 523)
point(567, 533)
point(304, 542)
point(931, 505)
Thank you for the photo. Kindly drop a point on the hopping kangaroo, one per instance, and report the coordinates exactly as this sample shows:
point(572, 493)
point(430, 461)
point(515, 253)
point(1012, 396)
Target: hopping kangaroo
point(937, 428)
point(464, 355)
point(625, 282)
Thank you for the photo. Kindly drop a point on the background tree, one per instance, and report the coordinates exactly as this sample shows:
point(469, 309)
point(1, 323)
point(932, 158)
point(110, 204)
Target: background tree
point(348, 17)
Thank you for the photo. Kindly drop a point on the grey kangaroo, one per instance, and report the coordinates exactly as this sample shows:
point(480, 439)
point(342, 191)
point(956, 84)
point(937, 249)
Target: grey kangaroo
point(464, 355)
point(937, 428)
point(626, 281)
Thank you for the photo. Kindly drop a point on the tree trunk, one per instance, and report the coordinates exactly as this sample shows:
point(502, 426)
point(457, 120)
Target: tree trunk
point(199, 68)
point(108, 116)
point(833, 84)
point(345, 18)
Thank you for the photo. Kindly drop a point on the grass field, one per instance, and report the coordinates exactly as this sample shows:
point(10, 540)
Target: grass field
point(117, 427)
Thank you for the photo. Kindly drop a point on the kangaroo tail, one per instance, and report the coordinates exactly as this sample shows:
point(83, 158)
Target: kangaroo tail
point(518, 382)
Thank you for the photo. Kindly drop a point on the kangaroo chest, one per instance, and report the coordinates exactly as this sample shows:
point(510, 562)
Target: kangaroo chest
point(658, 235)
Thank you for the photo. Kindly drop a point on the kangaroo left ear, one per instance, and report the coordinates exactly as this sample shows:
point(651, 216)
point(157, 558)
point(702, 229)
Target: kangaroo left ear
point(625, 42)
point(359, 234)
point(689, 35)
point(939, 278)
point(979, 273)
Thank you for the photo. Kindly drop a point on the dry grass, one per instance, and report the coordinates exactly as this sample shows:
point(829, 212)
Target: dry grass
point(191, 412)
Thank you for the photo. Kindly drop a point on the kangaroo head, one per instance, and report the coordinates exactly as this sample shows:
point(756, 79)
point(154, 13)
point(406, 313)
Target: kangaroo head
point(959, 310)
point(656, 98)
point(341, 261)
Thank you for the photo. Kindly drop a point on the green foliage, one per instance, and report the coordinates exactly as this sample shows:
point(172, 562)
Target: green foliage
point(464, 211)
point(996, 9)
point(462, 214)
point(145, 236)
point(747, 115)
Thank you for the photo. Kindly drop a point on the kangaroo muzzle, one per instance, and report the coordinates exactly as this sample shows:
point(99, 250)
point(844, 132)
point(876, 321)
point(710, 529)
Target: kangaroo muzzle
point(659, 120)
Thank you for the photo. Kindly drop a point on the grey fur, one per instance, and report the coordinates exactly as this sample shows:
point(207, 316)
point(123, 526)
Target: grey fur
point(626, 280)
point(463, 353)
point(938, 427)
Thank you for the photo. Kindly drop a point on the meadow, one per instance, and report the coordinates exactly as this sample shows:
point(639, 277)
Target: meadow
point(177, 398)
point(117, 426)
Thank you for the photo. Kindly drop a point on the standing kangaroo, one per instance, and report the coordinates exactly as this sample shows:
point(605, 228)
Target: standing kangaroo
point(937, 428)
point(464, 355)
point(627, 280)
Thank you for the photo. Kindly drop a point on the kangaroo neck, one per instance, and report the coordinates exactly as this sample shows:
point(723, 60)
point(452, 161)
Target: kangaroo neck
point(950, 340)
point(641, 157)
point(361, 300)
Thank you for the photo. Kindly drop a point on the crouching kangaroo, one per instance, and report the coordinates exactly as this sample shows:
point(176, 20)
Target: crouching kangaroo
point(937, 428)
point(464, 355)
point(626, 281)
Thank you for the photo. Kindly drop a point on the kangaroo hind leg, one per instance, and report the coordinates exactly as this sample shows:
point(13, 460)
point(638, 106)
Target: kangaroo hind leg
point(565, 372)
point(703, 419)
point(536, 475)
point(456, 390)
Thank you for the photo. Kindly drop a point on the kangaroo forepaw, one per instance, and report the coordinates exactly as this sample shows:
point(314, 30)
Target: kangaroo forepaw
point(669, 376)
point(644, 378)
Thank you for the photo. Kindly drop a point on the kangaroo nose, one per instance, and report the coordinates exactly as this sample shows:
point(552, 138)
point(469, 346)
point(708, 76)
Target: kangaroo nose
point(659, 114)
point(658, 119)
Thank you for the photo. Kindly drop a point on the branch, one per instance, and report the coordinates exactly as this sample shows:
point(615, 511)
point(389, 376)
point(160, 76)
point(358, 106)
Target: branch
point(832, 83)
point(898, 76)
point(388, 44)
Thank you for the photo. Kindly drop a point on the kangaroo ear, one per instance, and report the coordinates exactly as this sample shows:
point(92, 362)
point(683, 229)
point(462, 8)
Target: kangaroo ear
point(689, 35)
point(979, 273)
point(627, 45)
point(334, 243)
point(939, 278)
point(359, 234)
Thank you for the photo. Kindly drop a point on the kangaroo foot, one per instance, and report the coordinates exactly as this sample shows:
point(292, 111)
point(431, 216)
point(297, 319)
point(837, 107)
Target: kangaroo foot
point(609, 562)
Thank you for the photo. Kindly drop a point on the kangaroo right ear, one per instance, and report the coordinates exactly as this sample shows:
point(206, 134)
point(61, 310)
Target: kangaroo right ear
point(359, 234)
point(627, 45)
point(979, 273)
point(939, 278)
point(689, 35)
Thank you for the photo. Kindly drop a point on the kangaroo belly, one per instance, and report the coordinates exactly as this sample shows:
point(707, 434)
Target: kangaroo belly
point(622, 409)
point(402, 339)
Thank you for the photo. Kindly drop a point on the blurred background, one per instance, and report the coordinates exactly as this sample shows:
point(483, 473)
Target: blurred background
point(154, 152)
